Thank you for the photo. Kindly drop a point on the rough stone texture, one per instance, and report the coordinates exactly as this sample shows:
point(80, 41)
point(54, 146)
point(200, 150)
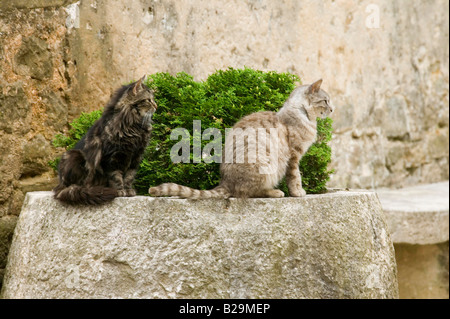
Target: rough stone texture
point(6, 232)
point(417, 215)
point(418, 220)
point(36, 78)
point(422, 271)
point(323, 246)
point(31, 4)
point(34, 58)
point(35, 85)
point(14, 107)
point(7, 225)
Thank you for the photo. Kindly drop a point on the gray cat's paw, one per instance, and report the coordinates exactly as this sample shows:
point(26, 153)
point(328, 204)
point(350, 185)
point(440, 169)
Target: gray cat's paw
point(297, 192)
point(275, 193)
point(154, 191)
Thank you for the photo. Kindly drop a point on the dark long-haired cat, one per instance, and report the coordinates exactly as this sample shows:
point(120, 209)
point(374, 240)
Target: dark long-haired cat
point(103, 164)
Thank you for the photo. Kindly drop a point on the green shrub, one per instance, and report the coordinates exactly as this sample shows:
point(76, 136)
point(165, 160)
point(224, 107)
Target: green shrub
point(218, 102)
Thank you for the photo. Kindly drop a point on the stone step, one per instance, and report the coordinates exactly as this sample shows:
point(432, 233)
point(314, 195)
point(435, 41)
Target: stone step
point(417, 215)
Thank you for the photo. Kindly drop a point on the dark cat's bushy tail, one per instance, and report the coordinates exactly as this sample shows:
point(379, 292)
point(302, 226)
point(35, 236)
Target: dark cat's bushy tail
point(73, 172)
point(75, 194)
point(171, 189)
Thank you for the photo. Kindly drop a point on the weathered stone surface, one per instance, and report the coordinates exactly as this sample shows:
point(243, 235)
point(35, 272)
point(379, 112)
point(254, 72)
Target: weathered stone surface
point(44, 182)
point(343, 120)
point(34, 58)
point(35, 156)
point(14, 108)
point(31, 4)
point(438, 145)
point(35, 77)
point(417, 215)
point(7, 224)
point(334, 245)
point(56, 110)
point(418, 220)
point(396, 124)
point(422, 271)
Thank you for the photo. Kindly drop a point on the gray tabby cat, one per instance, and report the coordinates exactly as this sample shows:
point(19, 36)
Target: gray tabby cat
point(291, 131)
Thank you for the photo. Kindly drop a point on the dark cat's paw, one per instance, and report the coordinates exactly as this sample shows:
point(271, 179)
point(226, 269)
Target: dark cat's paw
point(126, 192)
point(130, 192)
point(122, 192)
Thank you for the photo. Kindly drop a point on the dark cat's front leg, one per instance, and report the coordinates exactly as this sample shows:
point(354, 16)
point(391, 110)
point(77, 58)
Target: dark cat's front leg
point(115, 179)
point(293, 177)
point(130, 173)
point(128, 180)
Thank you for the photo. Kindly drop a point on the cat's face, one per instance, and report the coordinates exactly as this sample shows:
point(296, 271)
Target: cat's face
point(138, 103)
point(142, 98)
point(313, 99)
point(319, 102)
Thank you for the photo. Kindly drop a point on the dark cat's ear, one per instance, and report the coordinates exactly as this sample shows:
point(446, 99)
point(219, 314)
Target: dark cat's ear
point(315, 87)
point(138, 86)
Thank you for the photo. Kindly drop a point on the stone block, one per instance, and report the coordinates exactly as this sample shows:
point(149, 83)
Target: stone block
point(334, 245)
point(417, 215)
point(438, 145)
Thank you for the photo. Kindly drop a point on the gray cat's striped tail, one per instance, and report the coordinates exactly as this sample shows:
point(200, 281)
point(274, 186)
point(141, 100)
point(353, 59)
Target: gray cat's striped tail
point(171, 189)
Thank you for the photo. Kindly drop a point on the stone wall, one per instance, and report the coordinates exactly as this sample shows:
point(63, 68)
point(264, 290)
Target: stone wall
point(389, 84)
point(422, 271)
point(36, 76)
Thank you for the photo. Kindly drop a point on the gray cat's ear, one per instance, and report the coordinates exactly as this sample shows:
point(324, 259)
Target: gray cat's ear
point(138, 86)
point(315, 87)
